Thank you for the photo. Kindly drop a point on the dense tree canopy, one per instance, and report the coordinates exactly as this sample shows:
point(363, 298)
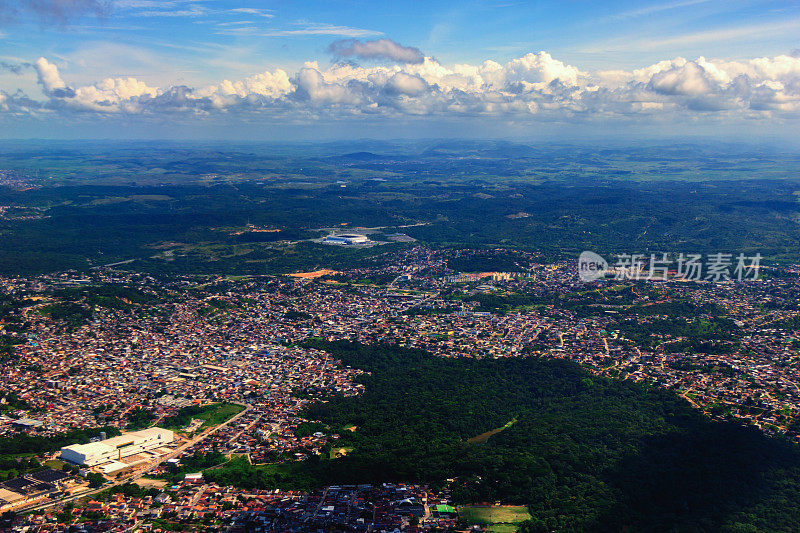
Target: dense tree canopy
point(585, 453)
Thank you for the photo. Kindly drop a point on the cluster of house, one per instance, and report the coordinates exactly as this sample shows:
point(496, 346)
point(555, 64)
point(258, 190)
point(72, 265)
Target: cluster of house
point(219, 339)
point(194, 505)
point(15, 179)
point(101, 373)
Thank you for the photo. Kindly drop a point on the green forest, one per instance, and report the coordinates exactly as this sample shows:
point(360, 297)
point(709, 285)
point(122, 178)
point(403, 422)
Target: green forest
point(180, 226)
point(36, 445)
point(584, 453)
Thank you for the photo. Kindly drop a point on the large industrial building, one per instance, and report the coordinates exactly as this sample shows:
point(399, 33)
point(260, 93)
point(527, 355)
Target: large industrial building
point(113, 449)
point(347, 239)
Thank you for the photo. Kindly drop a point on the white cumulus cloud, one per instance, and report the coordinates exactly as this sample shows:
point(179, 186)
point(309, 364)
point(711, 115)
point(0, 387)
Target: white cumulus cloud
point(535, 86)
point(49, 78)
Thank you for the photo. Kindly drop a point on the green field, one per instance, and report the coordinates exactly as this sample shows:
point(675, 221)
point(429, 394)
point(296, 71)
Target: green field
point(241, 473)
point(211, 414)
point(55, 464)
point(220, 414)
point(499, 518)
point(502, 528)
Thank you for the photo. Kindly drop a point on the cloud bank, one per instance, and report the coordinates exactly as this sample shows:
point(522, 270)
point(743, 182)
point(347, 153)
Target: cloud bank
point(376, 49)
point(534, 87)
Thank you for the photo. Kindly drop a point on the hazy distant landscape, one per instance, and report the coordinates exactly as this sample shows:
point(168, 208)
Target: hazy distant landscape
point(187, 207)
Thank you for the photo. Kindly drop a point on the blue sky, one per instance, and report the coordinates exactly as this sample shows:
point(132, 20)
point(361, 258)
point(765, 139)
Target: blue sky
point(169, 44)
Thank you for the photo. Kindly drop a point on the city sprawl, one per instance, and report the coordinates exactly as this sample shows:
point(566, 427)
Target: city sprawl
point(129, 350)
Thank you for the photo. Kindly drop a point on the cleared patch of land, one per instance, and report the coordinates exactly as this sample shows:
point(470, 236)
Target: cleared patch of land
point(502, 528)
point(339, 452)
point(483, 437)
point(314, 274)
point(108, 200)
point(55, 464)
point(147, 483)
point(211, 415)
point(498, 518)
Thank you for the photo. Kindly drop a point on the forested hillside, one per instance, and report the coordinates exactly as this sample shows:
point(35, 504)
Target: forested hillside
point(584, 453)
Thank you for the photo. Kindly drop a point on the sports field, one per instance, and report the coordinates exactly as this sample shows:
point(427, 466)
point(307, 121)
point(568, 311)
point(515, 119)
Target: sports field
point(498, 518)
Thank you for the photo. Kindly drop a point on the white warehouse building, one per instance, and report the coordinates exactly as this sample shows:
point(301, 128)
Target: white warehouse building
point(346, 239)
point(116, 448)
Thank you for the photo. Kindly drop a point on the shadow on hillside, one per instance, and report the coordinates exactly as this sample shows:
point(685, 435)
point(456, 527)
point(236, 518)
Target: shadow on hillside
point(702, 479)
